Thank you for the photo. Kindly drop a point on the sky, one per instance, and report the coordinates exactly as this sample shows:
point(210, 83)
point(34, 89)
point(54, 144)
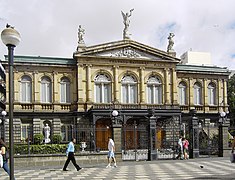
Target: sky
point(50, 28)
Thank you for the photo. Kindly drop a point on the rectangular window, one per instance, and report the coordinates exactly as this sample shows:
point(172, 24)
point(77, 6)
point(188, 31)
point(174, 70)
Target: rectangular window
point(26, 132)
point(25, 92)
point(124, 94)
point(98, 93)
point(65, 93)
point(46, 93)
point(107, 93)
point(66, 132)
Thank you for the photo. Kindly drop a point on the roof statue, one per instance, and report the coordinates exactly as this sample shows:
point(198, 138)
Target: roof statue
point(126, 21)
point(81, 33)
point(170, 43)
point(81, 43)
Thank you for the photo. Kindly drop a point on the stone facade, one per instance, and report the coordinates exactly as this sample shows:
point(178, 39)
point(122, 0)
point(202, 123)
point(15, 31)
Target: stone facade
point(112, 61)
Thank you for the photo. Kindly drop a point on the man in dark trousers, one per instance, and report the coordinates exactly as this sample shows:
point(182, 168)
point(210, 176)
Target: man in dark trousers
point(70, 155)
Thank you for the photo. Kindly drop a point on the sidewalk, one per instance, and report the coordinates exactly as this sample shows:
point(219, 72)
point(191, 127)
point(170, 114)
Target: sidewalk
point(202, 168)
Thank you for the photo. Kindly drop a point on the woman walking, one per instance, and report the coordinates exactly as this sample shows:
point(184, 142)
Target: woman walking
point(3, 151)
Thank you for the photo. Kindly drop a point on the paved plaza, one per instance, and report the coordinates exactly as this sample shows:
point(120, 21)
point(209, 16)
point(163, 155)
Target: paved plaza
point(206, 168)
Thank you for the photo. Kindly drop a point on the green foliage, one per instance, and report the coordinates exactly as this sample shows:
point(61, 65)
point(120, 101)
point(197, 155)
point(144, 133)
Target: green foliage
point(56, 139)
point(231, 99)
point(41, 149)
point(38, 138)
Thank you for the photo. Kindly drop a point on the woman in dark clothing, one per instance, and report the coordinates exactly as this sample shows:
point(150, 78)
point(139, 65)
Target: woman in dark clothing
point(3, 150)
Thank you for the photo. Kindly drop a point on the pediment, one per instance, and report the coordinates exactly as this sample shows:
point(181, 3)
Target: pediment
point(126, 49)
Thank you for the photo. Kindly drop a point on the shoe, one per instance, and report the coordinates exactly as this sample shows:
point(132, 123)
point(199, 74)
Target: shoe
point(79, 169)
point(115, 166)
point(108, 166)
point(65, 170)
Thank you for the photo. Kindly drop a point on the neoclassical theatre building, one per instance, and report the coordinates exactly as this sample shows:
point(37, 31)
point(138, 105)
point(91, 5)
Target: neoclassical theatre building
point(113, 89)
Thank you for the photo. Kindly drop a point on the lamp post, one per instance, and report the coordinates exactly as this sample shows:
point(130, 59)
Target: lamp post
point(4, 113)
point(115, 114)
point(11, 38)
point(222, 119)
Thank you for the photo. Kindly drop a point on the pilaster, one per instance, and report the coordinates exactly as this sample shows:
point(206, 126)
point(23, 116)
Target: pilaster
point(88, 83)
point(37, 126)
point(56, 126)
point(167, 87)
point(174, 87)
point(142, 91)
point(117, 138)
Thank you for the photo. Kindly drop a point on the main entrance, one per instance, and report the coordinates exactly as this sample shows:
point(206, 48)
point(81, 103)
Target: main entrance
point(136, 138)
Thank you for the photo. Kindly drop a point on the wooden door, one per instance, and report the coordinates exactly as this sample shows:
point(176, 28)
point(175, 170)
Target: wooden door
point(103, 131)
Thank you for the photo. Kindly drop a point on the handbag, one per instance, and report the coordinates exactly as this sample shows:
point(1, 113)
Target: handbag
point(232, 158)
point(1, 161)
point(7, 155)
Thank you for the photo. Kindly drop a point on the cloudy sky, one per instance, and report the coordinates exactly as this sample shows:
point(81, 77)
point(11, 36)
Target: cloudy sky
point(49, 28)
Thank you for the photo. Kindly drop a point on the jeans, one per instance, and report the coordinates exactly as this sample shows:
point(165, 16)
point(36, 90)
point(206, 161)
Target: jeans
point(5, 167)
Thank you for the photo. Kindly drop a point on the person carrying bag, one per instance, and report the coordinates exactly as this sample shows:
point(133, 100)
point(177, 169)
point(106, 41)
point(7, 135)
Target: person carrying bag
point(232, 155)
point(5, 156)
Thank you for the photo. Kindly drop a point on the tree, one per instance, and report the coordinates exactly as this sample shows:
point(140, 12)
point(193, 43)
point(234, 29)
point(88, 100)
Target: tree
point(231, 99)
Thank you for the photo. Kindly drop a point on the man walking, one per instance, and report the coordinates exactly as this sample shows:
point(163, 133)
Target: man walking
point(111, 156)
point(180, 148)
point(70, 155)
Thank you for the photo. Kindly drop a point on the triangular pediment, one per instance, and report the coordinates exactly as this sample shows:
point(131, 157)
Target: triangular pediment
point(126, 49)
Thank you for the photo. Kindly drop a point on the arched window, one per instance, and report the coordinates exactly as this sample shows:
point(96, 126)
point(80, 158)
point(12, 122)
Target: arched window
point(46, 91)
point(182, 93)
point(154, 90)
point(129, 89)
point(102, 89)
point(211, 94)
point(65, 90)
point(197, 94)
point(26, 89)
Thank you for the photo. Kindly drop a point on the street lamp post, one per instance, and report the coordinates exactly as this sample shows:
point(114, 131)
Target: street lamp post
point(11, 38)
point(222, 119)
point(115, 114)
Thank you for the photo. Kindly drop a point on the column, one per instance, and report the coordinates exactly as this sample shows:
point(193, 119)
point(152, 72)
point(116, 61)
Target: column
point(117, 138)
point(220, 92)
point(56, 98)
point(88, 83)
point(152, 152)
point(36, 91)
point(80, 84)
point(190, 89)
point(174, 85)
point(194, 135)
point(115, 84)
point(55, 92)
point(225, 93)
point(205, 95)
point(226, 148)
point(142, 91)
point(167, 86)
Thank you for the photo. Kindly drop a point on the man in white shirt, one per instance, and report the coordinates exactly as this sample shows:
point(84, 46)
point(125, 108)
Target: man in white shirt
point(180, 148)
point(111, 148)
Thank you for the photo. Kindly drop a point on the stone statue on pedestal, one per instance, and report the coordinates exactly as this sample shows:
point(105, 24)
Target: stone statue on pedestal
point(81, 33)
point(47, 130)
point(126, 21)
point(170, 43)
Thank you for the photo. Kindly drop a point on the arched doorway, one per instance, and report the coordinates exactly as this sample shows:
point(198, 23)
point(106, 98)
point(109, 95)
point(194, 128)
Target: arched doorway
point(103, 131)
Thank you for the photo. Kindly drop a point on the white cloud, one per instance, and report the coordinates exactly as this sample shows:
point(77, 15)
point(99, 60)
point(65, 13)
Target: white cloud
point(49, 28)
